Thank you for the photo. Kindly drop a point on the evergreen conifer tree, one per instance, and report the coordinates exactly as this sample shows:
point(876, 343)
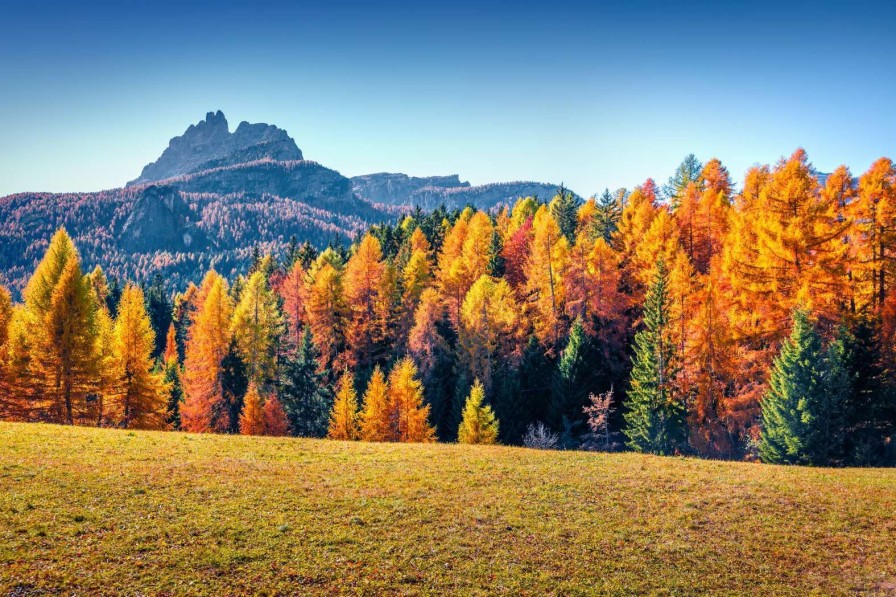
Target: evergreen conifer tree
point(802, 409)
point(303, 391)
point(655, 416)
point(574, 380)
point(565, 209)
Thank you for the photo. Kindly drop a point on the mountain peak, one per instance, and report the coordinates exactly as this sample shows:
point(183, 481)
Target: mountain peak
point(209, 143)
point(216, 119)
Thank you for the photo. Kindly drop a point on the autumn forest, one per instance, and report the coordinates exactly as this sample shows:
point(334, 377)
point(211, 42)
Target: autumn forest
point(751, 320)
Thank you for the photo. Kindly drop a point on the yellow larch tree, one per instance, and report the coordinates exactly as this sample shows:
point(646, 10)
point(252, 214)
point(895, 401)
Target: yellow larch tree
point(293, 291)
point(476, 248)
point(143, 400)
point(425, 343)
point(661, 241)
point(410, 416)
point(800, 259)
point(637, 215)
point(170, 355)
point(256, 326)
point(325, 307)
point(478, 423)
point(344, 418)
point(52, 349)
point(376, 412)
point(63, 333)
point(702, 217)
point(592, 285)
point(489, 328)
point(416, 277)
point(718, 416)
point(106, 408)
point(716, 178)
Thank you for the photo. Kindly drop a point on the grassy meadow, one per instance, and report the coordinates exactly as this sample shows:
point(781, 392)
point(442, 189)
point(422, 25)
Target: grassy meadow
point(94, 511)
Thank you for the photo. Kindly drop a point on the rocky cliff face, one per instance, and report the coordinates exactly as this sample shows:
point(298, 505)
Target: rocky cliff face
point(394, 189)
point(161, 221)
point(210, 143)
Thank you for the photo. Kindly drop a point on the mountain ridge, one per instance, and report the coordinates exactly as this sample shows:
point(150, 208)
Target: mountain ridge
point(214, 194)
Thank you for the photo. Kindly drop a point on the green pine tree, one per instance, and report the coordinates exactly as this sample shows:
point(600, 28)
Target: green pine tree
point(609, 211)
point(687, 172)
point(304, 391)
point(159, 309)
point(574, 380)
point(565, 208)
point(495, 258)
point(175, 393)
point(802, 409)
point(655, 416)
point(235, 383)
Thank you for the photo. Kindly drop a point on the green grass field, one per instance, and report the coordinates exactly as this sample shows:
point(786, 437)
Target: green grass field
point(98, 511)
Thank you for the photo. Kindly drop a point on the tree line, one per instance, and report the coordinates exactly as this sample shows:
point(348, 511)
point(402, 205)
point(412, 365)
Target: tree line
point(692, 319)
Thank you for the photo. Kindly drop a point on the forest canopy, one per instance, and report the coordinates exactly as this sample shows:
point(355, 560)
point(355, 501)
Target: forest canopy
point(697, 319)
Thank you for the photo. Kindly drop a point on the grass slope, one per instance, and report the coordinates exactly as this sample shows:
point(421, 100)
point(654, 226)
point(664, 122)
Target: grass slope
point(99, 511)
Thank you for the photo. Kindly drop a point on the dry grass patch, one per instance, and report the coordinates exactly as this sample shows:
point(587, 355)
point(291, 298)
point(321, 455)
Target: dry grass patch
point(99, 511)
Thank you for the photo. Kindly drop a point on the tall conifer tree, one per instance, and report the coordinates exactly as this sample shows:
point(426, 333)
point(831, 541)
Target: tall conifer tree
point(655, 416)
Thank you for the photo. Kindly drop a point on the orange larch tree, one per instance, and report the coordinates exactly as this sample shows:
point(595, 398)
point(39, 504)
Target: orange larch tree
point(205, 406)
point(293, 292)
point(365, 329)
point(252, 416)
point(874, 213)
point(545, 272)
point(451, 273)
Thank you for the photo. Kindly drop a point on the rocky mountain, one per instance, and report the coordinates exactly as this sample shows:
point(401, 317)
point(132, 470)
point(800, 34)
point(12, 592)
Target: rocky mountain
point(212, 196)
point(207, 201)
point(210, 144)
point(431, 191)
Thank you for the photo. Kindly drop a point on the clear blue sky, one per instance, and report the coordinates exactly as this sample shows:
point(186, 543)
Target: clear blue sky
point(590, 94)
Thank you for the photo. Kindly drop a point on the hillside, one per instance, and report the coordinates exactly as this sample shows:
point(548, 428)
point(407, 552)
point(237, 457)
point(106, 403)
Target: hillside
point(100, 511)
point(139, 231)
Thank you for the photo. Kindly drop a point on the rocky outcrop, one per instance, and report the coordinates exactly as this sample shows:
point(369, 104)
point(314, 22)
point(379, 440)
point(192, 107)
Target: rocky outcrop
point(210, 144)
point(161, 221)
point(395, 189)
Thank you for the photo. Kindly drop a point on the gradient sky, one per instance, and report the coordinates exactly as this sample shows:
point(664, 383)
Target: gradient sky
point(591, 94)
